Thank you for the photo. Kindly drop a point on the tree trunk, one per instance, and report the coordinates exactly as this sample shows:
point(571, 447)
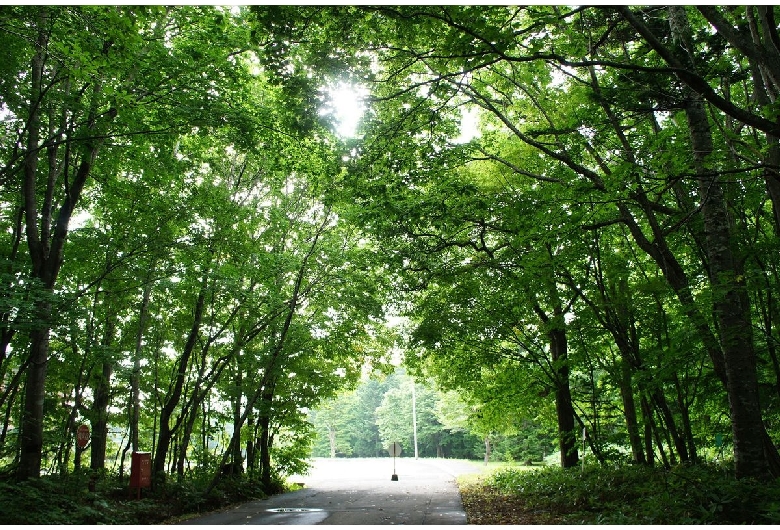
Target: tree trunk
point(733, 316)
point(648, 434)
point(251, 447)
point(332, 440)
point(655, 432)
point(174, 396)
point(567, 435)
point(673, 433)
point(235, 457)
point(685, 418)
point(99, 437)
point(629, 412)
point(135, 391)
point(730, 302)
point(32, 418)
point(102, 399)
point(265, 440)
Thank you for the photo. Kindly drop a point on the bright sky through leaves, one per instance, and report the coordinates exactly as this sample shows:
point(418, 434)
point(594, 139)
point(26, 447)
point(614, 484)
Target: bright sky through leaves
point(346, 104)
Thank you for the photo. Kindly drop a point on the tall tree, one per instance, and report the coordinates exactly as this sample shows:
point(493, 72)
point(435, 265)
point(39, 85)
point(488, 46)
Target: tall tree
point(83, 88)
point(562, 94)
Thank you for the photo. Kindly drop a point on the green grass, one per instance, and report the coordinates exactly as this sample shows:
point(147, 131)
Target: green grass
point(701, 494)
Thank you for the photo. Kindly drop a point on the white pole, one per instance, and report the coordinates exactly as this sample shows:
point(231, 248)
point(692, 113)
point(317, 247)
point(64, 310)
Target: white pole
point(414, 419)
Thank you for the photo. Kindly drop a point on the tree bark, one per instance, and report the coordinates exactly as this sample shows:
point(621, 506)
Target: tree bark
point(567, 435)
point(629, 412)
point(100, 414)
point(135, 391)
point(266, 438)
point(647, 415)
point(730, 302)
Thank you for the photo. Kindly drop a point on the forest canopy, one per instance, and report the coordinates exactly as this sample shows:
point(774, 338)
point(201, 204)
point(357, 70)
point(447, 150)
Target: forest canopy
point(573, 211)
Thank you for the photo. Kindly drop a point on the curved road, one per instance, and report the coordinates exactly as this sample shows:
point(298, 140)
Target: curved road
point(347, 491)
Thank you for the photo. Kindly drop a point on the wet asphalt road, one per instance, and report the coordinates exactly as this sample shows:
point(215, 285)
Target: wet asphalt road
point(360, 491)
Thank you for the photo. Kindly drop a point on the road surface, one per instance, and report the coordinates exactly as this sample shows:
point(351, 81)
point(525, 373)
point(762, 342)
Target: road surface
point(352, 491)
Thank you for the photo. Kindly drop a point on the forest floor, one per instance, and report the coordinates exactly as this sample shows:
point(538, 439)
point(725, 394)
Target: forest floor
point(487, 506)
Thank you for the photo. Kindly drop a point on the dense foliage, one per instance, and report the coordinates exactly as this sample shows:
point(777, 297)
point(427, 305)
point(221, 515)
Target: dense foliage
point(206, 295)
point(193, 257)
point(383, 410)
point(604, 245)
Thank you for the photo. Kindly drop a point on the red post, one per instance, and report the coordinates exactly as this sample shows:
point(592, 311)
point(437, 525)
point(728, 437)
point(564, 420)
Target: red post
point(140, 472)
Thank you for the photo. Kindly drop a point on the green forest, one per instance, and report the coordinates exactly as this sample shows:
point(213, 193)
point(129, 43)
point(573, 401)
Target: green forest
point(238, 237)
point(382, 410)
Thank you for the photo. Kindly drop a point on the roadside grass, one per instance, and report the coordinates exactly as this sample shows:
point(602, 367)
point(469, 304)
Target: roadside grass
point(701, 494)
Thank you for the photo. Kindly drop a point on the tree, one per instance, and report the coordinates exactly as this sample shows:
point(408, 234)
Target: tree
point(562, 94)
point(86, 87)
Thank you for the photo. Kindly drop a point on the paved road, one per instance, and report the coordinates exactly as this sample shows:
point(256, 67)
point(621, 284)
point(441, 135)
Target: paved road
point(347, 491)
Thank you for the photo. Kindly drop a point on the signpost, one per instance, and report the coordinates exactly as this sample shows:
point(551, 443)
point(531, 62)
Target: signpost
point(82, 436)
point(395, 450)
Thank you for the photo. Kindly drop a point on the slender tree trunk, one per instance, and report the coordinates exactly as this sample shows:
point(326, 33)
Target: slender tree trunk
point(648, 434)
point(763, 85)
point(235, 456)
point(99, 436)
point(685, 418)
point(186, 436)
point(673, 433)
point(629, 412)
point(555, 326)
point(135, 390)
point(264, 420)
point(332, 440)
point(767, 311)
point(174, 396)
point(657, 434)
point(101, 402)
point(70, 424)
point(251, 447)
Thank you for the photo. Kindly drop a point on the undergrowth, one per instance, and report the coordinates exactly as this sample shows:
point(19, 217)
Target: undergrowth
point(702, 494)
point(68, 500)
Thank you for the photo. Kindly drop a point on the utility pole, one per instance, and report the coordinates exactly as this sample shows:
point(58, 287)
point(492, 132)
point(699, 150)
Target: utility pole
point(414, 418)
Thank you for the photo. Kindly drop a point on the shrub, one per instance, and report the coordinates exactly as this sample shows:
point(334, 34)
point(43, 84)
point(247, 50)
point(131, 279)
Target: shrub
point(68, 500)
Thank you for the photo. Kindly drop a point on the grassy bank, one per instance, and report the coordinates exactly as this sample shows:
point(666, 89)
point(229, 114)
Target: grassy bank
point(626, 495)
